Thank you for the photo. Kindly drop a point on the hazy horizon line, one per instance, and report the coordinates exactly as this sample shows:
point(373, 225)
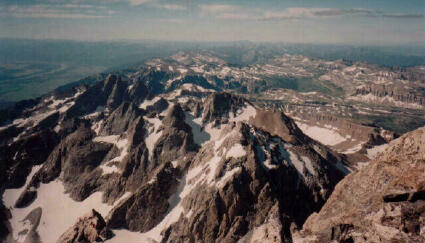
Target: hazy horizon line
point(354, 44)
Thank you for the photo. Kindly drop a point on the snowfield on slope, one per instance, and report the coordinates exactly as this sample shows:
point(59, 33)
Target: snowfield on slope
point(324, 135)
point(59, 211)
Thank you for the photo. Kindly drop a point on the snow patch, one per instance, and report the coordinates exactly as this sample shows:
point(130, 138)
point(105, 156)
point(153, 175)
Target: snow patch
point(236, 151)
point(107, 139)
point(354, 149)
point(298, 162)
point(59, 211)
point(324, 135)
point(153, 134)
point(214, 132)
point(182, 70)
point(33, 120)
point(11, 195)
point(147, 103)
point(244, 114)
point(199, 135)
point(122, 144)
point(197, 69)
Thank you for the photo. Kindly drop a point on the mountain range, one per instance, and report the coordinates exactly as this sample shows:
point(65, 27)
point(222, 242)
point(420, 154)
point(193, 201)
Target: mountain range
point(192, 148)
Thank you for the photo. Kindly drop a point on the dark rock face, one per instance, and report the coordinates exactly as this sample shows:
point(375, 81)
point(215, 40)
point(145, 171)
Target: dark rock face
point(138, 92)
point(154, 80)
point(89, 228)
point(109, 93)
point(146, 207)
point(218, 105)
point(19, 157)
point(48, 122)
point(158, 106)
point(8, 134)
point(4, 224)
point(137, 168)
point(177, 139)
point(120, 119)
point(17, 110)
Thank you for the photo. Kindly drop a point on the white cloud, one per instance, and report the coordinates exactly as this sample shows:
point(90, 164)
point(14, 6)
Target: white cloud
point(67, 11)
point(72, 5)
point(139, 2)
point(216, 8)
point(299, 13)
point(226, 11)
point(401, 15)
point(156, 4)
point(240, 16)
point(229, 12)
point(175, 7)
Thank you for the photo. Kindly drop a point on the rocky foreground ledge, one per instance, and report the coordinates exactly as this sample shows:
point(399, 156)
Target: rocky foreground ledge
point(383, 202)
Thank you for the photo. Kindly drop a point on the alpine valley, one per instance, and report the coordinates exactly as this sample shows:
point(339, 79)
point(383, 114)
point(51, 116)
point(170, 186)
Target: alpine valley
point(193, 148)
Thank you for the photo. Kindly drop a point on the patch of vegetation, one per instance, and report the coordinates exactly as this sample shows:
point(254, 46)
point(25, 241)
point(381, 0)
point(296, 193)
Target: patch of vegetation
point(283, 82)
point(300, 85)
point(335, 90)
point(398, 124)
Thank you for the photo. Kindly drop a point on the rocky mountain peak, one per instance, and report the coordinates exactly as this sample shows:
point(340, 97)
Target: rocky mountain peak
point(218, 106)
point(120, 119)
point(279, 124)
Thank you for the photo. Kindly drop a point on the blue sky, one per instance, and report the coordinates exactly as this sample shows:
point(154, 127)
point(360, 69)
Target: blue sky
point(315, 21)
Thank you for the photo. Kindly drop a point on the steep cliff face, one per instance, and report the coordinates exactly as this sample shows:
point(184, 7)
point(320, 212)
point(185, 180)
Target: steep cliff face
point(383, 202)
point(395, 94)
point(233, 183)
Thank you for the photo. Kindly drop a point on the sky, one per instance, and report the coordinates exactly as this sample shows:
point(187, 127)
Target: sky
point(369, 22)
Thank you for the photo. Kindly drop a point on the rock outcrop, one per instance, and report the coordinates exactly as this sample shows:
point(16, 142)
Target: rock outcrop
point(88, 229)
point(383, 202)
point(397, 93)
